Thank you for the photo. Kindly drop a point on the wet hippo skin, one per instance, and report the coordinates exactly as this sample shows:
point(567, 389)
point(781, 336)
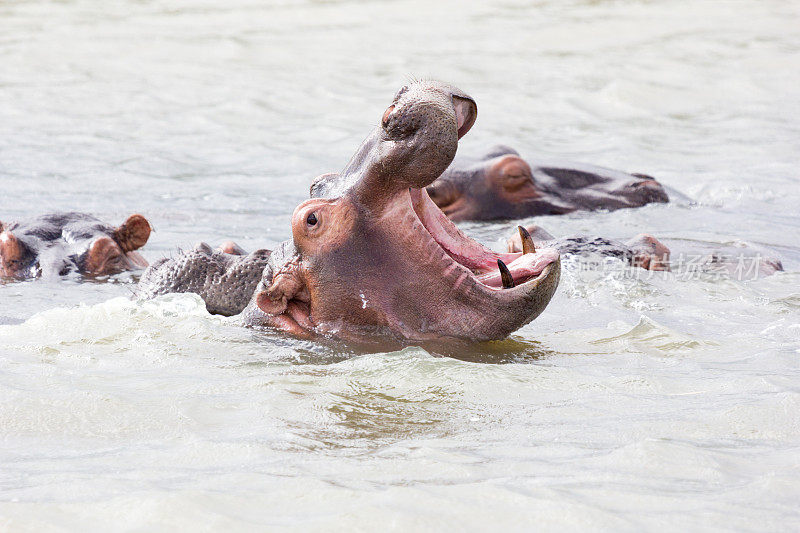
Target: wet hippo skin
point(59, 243)
point(503, 185)
point(371, 255)
point(225, 277)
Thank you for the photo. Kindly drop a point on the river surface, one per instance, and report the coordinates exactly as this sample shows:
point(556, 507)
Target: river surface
point(635, 402)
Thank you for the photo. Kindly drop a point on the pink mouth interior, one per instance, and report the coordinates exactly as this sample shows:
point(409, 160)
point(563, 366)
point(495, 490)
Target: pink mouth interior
point(471, 254)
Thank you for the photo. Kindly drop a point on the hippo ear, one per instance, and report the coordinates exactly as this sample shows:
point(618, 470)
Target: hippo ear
point(12, 250)
point(231, 248)
point(285, 285)
point(133, 233)
point(270, 306)
point(466, 113)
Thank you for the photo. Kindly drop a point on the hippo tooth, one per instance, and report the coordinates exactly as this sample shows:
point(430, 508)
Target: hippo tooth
point(527, 241)
point(505, 275)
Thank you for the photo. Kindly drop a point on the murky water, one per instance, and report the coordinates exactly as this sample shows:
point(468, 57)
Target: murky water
point(633, 402)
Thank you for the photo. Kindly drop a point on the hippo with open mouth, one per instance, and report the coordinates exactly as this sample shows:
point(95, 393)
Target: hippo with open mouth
point(371, 254)
point(60, 243)
point(502, 185)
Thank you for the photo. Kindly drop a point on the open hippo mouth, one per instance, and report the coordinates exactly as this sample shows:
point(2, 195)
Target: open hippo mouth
point(372, 253)
point(495, 271)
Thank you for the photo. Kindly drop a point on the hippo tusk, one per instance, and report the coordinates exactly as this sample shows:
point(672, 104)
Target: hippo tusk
point(505, 275)
point(527, 241)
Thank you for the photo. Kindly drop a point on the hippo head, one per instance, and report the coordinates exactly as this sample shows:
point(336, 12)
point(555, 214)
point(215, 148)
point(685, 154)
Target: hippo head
point(499, 185)
point(60, 243)
point(371, 253)
point(502, 185)
point(648, 253)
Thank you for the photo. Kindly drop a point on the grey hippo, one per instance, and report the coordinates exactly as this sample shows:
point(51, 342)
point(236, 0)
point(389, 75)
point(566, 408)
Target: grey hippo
point(60, 243)
point(643, 250)
point(502, 185)
point(371, 255)
point(738, 261)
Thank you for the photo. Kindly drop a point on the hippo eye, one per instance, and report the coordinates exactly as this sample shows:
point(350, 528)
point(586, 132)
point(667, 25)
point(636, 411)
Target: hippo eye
point(311, 220)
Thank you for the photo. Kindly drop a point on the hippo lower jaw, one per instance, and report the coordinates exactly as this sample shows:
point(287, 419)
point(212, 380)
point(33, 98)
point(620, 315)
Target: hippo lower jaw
point(477, 305)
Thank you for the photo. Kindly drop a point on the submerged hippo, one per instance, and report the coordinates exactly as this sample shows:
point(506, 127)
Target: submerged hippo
point(502, 185)
point(371, 254)
point(57, 244)
point(739, 261)
point(643, 251)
